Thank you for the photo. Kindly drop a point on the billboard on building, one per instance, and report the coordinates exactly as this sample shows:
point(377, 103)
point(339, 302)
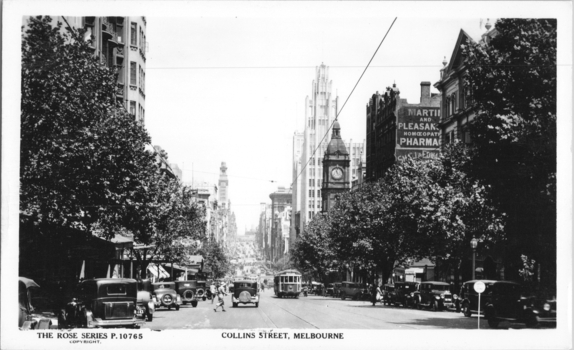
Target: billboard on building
point(418, 133)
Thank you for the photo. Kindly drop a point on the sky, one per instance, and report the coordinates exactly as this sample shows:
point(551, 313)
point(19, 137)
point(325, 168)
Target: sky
point(231, 88)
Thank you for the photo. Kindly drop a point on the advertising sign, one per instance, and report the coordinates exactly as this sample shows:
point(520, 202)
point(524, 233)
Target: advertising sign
point(418, 134)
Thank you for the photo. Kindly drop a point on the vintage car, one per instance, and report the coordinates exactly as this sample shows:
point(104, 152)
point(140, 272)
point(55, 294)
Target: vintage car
point(350, 290)
point(388, 290)
point(402, 294)
point(165, 293)
point(245, 292)
point(433, 294)
point(336, 289)
point(105, 302)
point(146, 299)
point(42, 316)
point(329, 289)
point(506, 301)
point(189, 292)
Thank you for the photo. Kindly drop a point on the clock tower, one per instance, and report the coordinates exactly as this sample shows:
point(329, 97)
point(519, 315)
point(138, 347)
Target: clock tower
point(335, 169)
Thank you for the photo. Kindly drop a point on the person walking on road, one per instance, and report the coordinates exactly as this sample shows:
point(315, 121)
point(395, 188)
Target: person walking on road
point(213, 291)
point(220, 293)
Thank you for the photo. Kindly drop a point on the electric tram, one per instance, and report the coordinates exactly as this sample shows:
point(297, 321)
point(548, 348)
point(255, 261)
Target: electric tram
point(287, 283)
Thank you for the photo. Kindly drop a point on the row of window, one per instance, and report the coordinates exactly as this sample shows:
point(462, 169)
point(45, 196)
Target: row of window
point(141, 43)
point(458, 100)
point(142, 79)
point(140, 111)
point(133, 76)
point(312, 193)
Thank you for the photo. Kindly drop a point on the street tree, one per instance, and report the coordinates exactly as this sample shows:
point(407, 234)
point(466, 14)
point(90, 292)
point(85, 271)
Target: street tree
point(82, 156)
point(513, 81)
point(419, 209)
point(170, 224)
point(215, 259)
point(313, 252)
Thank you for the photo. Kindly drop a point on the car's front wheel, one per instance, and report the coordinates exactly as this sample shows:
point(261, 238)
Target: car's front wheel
point(435, 306)
point(493, 322)
point(466, 310)
point(194, 303)
point(257, 304)
point(343, 296)
point(176, 307)
point(532, 321)
point(234, 304)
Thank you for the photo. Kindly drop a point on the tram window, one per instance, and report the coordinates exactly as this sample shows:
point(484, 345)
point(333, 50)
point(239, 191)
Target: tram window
point(291, 279)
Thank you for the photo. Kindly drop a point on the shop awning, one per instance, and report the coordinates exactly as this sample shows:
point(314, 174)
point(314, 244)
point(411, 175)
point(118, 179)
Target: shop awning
point(414, 270)
point(153, 269)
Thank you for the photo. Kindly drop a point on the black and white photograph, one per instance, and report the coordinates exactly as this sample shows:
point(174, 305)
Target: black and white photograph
point(286, 174)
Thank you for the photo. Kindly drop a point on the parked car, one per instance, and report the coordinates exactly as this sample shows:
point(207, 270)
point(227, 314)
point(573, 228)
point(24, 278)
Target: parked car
point(506, 301)
point(105, 302)
point(433, 294)
point(146, 299)
point(245, 292)
point(350, 290)
point(388, 289)
point(402, 294)
point(189, 292)
point(166, 295)
point(329, 289)
point(546, 310)
point(40, 316)
point(336, 289)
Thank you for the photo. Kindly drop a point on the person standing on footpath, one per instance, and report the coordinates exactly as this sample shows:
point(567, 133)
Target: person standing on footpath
point(373, 292)
point(220, 293)
point(213, 291)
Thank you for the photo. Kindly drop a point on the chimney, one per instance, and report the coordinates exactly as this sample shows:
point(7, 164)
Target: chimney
point(425, 90)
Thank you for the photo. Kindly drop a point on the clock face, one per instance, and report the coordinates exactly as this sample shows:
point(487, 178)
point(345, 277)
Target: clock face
point(337, 173)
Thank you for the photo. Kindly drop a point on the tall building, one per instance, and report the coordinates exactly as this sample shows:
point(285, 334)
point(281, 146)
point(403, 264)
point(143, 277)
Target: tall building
point(223, 183)
point(335, 170)
point(120, 43)
point(397, 129)
point(280, 201)
point(320, 112)
point(296, 186)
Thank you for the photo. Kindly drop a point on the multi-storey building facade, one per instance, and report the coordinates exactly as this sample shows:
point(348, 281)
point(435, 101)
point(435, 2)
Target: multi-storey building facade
point(320, 112)
point(223, 183)
point(457, 108)
point(280, 201)
point(397, 129)
point(120, 43)
point(298, 141)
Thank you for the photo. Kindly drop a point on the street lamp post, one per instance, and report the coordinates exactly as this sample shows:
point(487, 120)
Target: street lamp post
point(473, 244)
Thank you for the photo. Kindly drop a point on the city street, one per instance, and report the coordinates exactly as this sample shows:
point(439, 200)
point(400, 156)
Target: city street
point(312, 312)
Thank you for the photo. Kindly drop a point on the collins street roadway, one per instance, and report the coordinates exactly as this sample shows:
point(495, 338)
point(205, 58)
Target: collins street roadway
point(312, 312)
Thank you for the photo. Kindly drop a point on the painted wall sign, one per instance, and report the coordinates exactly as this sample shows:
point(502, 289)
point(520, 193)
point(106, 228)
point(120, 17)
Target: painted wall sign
point(417, 128)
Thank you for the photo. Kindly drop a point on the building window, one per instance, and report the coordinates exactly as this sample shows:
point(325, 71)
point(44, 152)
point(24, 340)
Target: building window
point(133, 108)
point(467, 139)
point(319, 193)
point(311, 182)
point(311, 193)
point(134, 34)
point(133, 73)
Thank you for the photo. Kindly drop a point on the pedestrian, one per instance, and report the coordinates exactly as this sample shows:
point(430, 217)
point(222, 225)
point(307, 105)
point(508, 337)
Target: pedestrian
point(220, 293)
point(213, 291)
point(373, 291)
point(379, 294)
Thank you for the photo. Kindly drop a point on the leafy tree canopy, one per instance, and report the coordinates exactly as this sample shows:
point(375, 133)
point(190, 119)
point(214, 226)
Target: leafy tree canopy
point(83, 158)
point(513, 80)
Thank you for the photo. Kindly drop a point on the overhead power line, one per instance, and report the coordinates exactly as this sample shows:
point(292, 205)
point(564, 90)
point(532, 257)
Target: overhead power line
point(348, 97)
